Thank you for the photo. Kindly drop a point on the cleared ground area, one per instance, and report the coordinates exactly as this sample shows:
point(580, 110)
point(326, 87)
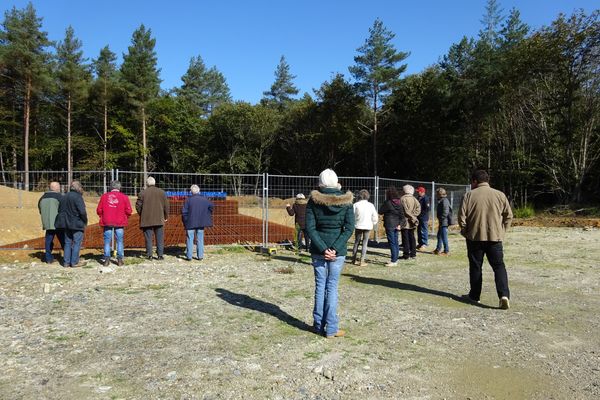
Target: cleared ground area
point(236, 326)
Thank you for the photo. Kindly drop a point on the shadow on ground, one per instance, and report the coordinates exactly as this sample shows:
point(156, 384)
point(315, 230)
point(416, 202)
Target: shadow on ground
point(245, 301)
point(413, 288)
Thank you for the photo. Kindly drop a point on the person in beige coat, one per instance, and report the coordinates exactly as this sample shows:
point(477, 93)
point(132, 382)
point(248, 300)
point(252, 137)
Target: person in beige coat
point(484, 217)
point(153, 207)
point(412, 209)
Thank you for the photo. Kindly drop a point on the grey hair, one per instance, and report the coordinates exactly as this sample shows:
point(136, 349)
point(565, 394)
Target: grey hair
point(364, 194)
point(115, 185)
point(441, 192)
point(76, 186)
point(408, 189)
point(195, 189)
point(150, 181)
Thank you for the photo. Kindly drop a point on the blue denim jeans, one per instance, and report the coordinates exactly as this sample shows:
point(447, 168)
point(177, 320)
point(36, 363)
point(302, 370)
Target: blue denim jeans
point(423, 232)
point(392, 238)
point(442, 238)
point(119, 233)
point(49, 242)
point(73, 241)
point(300, 233)
point(327, 276)
point(199, 233)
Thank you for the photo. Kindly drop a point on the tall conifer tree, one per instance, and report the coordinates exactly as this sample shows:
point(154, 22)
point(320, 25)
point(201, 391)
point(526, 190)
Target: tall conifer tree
point(24, 60)
point(283, 88)
point(376, 72)
point(140, 77)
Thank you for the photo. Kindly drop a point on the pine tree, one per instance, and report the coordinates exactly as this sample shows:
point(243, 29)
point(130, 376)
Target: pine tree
point(376, 72)
point(140, 77)
point(205, 88)
point(73, 79)
point(24, 62)
point(106, 74)
point(283, 88)
point(491, 22)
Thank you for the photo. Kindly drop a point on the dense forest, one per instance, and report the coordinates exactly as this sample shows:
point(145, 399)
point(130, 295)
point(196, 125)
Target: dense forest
point(522, 103)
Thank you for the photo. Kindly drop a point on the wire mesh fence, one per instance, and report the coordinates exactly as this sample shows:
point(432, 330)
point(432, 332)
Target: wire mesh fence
point(249, 208)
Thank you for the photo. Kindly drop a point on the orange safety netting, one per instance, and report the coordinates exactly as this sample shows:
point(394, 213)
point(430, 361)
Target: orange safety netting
point(229, 227)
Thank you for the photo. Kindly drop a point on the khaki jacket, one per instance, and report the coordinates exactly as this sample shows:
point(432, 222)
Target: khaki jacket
point(412, 209)
point(153, 207)
point(485, 214)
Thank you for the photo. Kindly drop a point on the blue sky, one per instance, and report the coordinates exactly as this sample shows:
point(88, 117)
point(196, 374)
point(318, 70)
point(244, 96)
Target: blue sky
point(244, 39)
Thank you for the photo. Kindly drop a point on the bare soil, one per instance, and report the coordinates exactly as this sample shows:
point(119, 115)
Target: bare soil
point(236, 326)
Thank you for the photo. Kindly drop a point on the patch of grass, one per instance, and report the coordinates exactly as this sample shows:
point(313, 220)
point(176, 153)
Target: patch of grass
point(58, 338)
point(232, 276)
point(133, 260)
point(284, 270)
point(157, 286)
point(230, 250)
point(526, 211)
point(295, 293)
point(312, 355)
point(87, 266)
point(62, 278)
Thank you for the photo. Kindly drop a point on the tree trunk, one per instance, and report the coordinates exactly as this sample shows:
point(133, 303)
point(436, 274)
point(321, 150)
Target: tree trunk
point(105, 136)
point(69, 155)
point(144, 145)
point(26, 112)
point(375, 134)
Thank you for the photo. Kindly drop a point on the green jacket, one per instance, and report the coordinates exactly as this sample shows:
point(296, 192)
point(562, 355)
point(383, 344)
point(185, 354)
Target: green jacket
point(48, 206)
point(329, 220)
point(485, 214)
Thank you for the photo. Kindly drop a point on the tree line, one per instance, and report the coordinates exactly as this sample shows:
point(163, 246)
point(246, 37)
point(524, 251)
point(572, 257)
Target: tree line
point(521, 103)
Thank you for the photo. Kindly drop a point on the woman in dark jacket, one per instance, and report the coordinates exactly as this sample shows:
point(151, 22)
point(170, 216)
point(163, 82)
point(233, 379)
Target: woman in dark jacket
point(393, 218)
point(72, 217)
point(329, 224)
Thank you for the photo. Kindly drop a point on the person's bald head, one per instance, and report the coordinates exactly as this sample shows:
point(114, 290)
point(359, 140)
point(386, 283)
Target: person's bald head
point(55, 187)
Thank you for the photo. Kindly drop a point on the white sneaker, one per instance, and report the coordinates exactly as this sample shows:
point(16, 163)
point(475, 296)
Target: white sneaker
point(391, 264)
point(504, 303)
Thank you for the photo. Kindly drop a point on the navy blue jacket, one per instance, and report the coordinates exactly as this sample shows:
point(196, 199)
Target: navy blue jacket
point(71, 213)
point(197, 212)
point(424, 201)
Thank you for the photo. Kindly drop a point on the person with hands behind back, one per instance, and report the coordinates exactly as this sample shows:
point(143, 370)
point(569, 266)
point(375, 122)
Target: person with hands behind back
point(329, 224)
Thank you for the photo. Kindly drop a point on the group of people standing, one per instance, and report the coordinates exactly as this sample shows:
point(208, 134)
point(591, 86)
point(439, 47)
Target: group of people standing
point(65, 217)
point(331, 217)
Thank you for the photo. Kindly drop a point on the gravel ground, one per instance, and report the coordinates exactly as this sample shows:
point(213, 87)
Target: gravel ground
point(236, 326)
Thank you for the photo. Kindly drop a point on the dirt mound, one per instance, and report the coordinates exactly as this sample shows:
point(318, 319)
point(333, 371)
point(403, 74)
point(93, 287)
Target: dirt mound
point(558, 222)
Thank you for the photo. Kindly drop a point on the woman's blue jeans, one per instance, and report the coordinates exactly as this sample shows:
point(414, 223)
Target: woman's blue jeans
point(392, 238)
point(327, 276)
point(442, 238)
point(119, 233)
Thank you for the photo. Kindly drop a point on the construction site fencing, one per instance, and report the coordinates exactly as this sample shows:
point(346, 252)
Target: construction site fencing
point(249, 208)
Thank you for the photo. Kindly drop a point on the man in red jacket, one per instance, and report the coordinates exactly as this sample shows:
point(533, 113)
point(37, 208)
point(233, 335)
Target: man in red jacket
point(114, 210)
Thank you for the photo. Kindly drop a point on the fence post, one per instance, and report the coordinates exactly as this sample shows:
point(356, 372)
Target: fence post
point(433, 214)
point(117, 175)
point(266, 197)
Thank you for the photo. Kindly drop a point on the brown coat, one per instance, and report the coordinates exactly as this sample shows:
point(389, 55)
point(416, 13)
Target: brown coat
point(485, 214)
point(412, 209)
point(153, 207)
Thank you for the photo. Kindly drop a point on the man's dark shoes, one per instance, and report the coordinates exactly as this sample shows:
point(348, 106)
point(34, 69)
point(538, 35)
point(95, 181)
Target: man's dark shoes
point(468, 299)
point(107, 261)
point(504, 303)
point(78, 265)
point(160, 258)
point(120, 262)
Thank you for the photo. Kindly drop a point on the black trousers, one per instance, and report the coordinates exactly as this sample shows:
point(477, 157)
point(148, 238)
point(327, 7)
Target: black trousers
point(157, 231)
point(409, 244)
point(495, 256)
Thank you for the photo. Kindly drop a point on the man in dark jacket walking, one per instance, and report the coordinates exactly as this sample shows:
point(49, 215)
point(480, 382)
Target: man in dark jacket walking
point(72, 217)
point(196, 215)
point(298, 211)
point(48, 206)
point(153, 207)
